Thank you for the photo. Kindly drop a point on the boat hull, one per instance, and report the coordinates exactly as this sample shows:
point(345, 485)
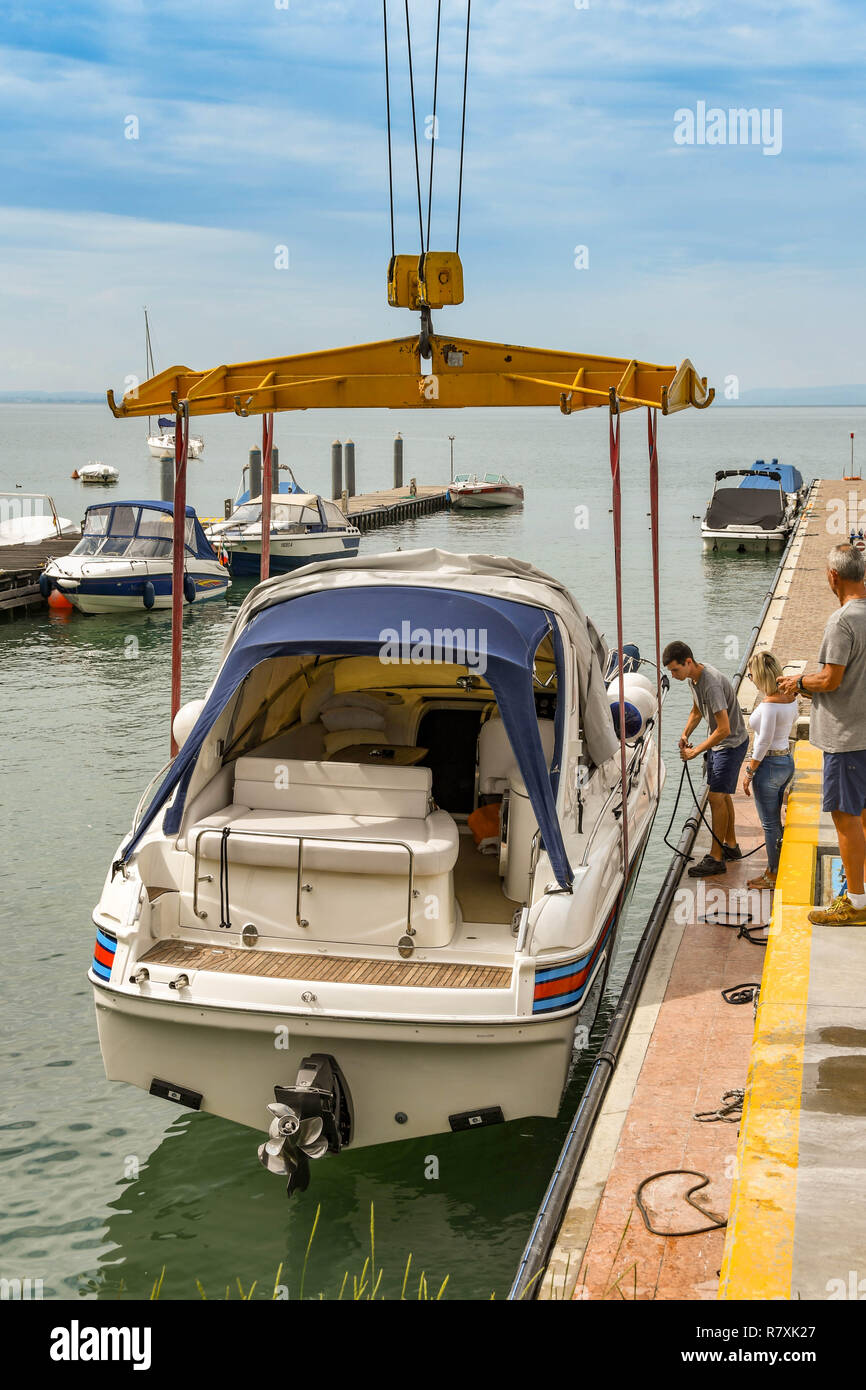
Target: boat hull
point(425, 1072)
point(484, 499)
point(744, 542)
point(123, 593)
point(245, 559)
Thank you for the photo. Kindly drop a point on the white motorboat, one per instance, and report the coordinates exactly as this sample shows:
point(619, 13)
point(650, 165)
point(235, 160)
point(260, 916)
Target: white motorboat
point(123, 562)
point(26, 518)
point(468, 492)
point(305, 529)
point(97, 474)
point(758, 513)
point(299, 932)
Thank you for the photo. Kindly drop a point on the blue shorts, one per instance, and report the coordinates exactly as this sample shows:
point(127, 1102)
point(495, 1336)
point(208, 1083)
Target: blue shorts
point(723, 767)
point(845, 782)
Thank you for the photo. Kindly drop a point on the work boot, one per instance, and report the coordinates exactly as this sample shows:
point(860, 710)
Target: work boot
point(840, 913)
point(732, 852)
point(707, 866)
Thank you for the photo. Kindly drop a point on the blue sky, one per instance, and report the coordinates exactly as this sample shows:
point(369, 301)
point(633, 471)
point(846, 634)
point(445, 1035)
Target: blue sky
point(261, 126)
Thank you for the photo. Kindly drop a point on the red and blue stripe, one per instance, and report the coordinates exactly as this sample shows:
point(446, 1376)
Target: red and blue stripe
point(103, 953)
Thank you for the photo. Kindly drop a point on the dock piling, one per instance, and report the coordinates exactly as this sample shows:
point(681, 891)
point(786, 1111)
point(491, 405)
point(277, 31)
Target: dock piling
point(336, 470)
point(398, 461)
point(350, 467)
point(255, 472)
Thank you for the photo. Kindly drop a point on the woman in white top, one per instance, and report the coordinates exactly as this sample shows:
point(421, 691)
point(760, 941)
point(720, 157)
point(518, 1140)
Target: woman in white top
point(771, 767)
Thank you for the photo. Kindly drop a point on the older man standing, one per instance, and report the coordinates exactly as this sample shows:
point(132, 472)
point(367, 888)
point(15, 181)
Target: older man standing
point(838, 728)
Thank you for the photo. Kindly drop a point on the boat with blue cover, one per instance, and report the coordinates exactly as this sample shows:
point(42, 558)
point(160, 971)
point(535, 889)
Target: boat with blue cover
point(123, 562)
point(753, 509)
point(392, 840)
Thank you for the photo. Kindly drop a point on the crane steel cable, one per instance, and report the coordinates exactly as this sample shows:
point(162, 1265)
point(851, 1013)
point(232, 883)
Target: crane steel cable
point(388, 117)
point(433, 132)
point(414, 128)
point(463, 124)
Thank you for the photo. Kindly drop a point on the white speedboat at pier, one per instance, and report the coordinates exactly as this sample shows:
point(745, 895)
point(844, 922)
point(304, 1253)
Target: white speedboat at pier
point(305, 529)
point(754, 514)
point(123, 562)
point(308, 867)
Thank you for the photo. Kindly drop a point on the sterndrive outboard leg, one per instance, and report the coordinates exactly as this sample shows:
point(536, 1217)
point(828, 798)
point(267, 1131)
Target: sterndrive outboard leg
point(310, 1118)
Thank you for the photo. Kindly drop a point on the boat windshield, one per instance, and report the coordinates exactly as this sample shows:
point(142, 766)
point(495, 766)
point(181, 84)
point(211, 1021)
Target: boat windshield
point(285, 517)
point(248, 512)
point(495, 478)
point(130, 532)
point(463, 477)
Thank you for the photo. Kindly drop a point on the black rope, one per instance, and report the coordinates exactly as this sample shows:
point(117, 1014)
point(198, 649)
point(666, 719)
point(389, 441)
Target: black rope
point(414, 128)
point(463, 124)
point(718, 1223)
point(388, 115)
point(686, 773)
point(741, 994)
point(225, 919)
point(433, 132)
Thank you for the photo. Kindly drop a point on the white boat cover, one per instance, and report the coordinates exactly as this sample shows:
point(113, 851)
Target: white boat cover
point(496, 576)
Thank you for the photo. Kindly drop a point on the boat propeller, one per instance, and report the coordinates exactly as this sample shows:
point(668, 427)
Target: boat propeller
point(290, 1145)
point(310, 1118)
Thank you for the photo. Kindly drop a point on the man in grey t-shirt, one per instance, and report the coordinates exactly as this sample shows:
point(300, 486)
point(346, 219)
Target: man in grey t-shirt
point(725, 747)
point(838, 728)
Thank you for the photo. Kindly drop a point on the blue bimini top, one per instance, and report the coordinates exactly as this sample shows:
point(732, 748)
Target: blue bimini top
point(493, 637)
point(151, 521)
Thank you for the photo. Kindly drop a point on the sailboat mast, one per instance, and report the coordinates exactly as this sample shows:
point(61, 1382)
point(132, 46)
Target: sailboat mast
point(148, 358)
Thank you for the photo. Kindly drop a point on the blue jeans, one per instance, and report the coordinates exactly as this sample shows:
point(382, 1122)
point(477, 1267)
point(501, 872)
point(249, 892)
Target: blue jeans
point(768, 785)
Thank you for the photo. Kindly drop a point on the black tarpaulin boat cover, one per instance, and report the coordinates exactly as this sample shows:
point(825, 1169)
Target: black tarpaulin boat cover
point(734, 506)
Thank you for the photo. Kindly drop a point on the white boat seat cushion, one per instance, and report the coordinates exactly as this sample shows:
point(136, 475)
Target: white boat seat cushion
point(345, 789)
point(433, 840)
point(497, 765)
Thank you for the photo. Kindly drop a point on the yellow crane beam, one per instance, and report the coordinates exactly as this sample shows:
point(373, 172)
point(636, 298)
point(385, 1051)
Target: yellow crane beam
point(460, 372)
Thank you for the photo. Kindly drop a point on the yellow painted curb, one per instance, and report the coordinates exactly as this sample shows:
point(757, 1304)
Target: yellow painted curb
point(759, 1245)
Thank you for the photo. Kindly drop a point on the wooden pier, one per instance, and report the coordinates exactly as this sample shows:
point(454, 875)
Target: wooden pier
point(20, 568)
point(373, 510)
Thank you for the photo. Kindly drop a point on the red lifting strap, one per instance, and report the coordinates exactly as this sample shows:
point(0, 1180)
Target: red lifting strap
point(181, 451)
point(267, 488)
point(652, 438)
point(615, 420)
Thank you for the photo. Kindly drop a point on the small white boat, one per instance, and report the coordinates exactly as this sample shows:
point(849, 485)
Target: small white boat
point(307, 871)
point(123, 562)
point(305, 529)
point(468, 492)
point(26, 518)
point(97, 474)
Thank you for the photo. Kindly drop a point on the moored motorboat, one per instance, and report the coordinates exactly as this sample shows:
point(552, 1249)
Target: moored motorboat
point(97, 474)
point(300, 932)
point(123, 561)
point(468, 492)
point(305, 529)
point(741, 519)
